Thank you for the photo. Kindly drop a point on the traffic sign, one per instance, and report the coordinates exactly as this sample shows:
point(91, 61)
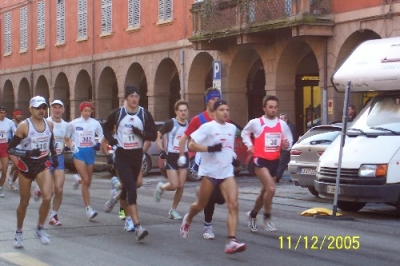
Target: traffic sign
point(217, 84)
point(216, 65)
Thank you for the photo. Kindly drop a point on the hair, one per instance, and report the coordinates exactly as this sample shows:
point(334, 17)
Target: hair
point(269, 98)
point(283, 114)
point(3, 108)
point(179, 103)
point(352, 106)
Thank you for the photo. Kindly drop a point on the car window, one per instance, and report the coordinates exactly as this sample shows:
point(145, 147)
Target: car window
point(320, 136)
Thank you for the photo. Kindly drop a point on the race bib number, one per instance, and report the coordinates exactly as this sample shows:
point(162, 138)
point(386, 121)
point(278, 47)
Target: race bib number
point(59, 144)
point(176, 142)
point(128, 139)
point(272, 142)
point(3, 136)
point(86, 139)
point(41, 143)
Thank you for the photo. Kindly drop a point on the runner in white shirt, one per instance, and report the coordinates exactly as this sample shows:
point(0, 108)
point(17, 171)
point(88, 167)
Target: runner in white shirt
point(7, 129)
point(216, 139)
point(81, 133)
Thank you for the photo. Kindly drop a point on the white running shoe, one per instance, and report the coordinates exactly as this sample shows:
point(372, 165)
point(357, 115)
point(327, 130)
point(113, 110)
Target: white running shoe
point(109, 205)
point(141, 232)
point(158, 192)
point(13, 186)
point(173, 214)
point(42, 236)
point(75, 185)
point(129, 227)
point(54, 221)
point(90, 213)
point(251, 222)
point(184, 230)
point(208, 232)
point(232, 246)
point(18, 240)
point(269, 225)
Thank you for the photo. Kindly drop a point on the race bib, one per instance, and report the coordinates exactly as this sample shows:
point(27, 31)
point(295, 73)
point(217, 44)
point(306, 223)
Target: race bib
point(41, 143)
point(59, 144)
point(3, 136)
point(128, 139)
point(176, 142)
point(86, 139)
point(272, 142)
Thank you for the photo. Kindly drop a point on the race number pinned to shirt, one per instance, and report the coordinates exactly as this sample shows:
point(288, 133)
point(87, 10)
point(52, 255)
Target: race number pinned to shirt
point(176, 142)
point(272, 142)
point(59, 144)
point(3, 136)
point(128, 139)
point(86, 139)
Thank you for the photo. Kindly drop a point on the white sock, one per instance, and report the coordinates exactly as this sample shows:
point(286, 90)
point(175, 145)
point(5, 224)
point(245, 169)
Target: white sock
point(53, 213)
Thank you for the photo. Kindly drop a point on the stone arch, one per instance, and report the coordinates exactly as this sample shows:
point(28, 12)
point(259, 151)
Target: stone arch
point(255, 90)
point(23, 96)
point(166, 86)
point(107, 93)
point(61, 92)
point(8, 97)
point(42, 87)
point(82, 92)
point(136, 75)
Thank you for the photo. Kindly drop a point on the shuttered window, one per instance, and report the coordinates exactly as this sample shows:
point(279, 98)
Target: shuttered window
point(41, 24)
point(60, 21)
point(7, 33)
point(82, 19)
point(106, 16)
point(133, 13)
point(165, 10)
point(23, 28)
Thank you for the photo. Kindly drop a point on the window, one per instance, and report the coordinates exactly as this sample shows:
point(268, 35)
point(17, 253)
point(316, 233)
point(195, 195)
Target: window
point(106, 16)
point(60, 21)
point(82, 19)
point(133, 13)
point(41, 24)
point(23, 28)
point(164, 10)
point(7, 33)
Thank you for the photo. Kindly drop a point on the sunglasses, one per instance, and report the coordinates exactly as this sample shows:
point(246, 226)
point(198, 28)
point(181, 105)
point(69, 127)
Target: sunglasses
point(43, 107)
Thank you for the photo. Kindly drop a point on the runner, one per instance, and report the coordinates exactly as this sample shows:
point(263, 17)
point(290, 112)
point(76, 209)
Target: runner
point(133, 125)
point(216, 141)
point(7, 129)
point(211, 96)
point(174, 129)
point(13, 174)
point(80, 139)
point(37, 141)
point(270, 135)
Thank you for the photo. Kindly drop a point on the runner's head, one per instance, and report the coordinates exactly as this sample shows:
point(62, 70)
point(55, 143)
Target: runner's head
point(3, 112)
point(212, 95)
point(221, 111)
point(38, 107)
point(132, 96)
point(270, 106)
point(17, 115)
point(181, 109)
point(57, 109)
point(86, 109)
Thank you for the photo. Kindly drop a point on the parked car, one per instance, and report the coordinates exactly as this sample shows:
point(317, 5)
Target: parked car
point(240, 150)
point(306, 151)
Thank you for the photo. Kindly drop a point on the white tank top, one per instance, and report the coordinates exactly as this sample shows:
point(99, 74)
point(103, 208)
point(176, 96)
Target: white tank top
point(175, 135)
point(36, 139)
point(59, 132)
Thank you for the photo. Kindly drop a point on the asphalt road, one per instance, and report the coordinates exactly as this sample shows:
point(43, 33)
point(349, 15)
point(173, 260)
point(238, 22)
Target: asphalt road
point(371, 238)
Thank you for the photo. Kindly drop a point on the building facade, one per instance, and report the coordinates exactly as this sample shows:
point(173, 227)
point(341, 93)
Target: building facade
point(90, 49)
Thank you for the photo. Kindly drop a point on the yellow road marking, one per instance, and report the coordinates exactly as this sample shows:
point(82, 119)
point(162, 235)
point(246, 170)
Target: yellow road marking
point(22, 259)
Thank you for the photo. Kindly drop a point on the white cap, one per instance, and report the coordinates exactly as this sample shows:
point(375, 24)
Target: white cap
point(57, 102)
point(37, 101)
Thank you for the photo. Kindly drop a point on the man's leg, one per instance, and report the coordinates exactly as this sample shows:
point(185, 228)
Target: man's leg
point(45, 183)
point(59, 178)
point(283, 162)
point(25, 194)
point(4, 168)
point(205, 190)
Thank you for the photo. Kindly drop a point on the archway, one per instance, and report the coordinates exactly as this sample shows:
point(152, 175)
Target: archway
point(136, 76)
point(82, 92)
point(107, 96)
point(8, 97)
point(23, 97)
point(61, 92)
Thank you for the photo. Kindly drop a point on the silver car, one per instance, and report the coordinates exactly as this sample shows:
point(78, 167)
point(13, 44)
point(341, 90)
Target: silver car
point(306, 151)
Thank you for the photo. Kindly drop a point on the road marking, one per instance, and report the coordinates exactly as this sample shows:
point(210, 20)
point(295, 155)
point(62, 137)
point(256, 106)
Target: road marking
point(22, 259)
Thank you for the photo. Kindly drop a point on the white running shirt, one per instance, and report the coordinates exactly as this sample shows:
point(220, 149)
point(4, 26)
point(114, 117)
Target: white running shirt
point(83, 132)
point(59, 132)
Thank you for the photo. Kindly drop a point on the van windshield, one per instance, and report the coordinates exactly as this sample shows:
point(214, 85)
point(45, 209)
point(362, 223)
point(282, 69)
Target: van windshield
point(381, 112)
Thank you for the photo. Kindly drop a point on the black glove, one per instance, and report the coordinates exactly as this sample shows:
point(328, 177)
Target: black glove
point(97, 146)
point(215, 148)
point(110, 159)
point(236, 163)
point(163, 154)
point(33, 153)
point(113, 142)
point(54, 161)
point(137, 131)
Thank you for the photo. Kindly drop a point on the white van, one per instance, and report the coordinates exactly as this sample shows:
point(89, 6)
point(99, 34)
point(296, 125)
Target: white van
point(370, 170)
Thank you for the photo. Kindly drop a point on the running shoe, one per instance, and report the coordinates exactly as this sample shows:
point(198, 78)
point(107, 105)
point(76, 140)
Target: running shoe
point(37, 194)
point(18, 240)
point(129, 226)
point(109, 205)
point(173, 214)
point(42, 236)
point(75, 185)
point(1, 192)
point(269, 225)
point(208, 232)
point(184, 230)
point(141, 232)
point(13, 186)
point(232, 246)
point(90, 213)
point(54, 221)
point(158, 192)
point(251, 222)
point(121, 215)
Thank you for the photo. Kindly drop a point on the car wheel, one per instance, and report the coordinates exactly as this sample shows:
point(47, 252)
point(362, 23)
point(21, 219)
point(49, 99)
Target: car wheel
point(350, 206)
point(313, 191)
point(146, 165)
point(192, 173)
point(250, 167)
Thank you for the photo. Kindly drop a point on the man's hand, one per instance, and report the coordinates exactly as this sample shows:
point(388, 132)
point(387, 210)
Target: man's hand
point(33, 153)
point(215, 148)
point(285, 144)
point(74, 149)
point(96, 147)
point(113, 142)
point(182, 160)
point(137, 131)
point(163, 154)
point(54, 161)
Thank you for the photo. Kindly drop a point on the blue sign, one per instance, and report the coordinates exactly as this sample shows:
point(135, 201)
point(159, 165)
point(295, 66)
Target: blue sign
point(216, 65)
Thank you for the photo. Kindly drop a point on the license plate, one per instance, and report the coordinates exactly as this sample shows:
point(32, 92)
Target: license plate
point(331, 189)
point(307, 171)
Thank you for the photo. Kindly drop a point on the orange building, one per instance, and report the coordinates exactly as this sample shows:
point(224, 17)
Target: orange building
point(80, 50)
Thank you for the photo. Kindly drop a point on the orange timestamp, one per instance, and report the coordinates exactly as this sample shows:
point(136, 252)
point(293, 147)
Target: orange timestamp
point(319, 242)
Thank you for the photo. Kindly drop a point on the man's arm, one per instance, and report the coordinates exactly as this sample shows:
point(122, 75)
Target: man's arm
point(246, 136)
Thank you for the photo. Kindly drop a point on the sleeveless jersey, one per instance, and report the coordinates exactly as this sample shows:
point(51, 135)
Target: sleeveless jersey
point(175, 135)
point(268, 144)
point(59, 132)
point(7, 129)
point(35, 139)
point(125, 136)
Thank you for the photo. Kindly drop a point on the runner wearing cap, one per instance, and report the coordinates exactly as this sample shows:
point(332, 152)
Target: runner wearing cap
point(7, 129)
point(37, 141)
point(80, 138)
